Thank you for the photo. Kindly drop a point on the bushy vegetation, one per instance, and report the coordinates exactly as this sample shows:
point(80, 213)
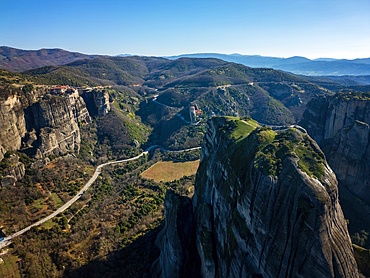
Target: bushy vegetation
point(268, 148)
point(361, 238)
point(181, 156)
point(281, 145)
point(114, 214)
point(349, 95)
point(9, 267)
point(362, 257)
point(7, 77)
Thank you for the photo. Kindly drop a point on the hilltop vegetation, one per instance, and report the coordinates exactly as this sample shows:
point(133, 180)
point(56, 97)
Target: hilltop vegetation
point(296, 64)
point(219, 87)
point(274, 146)
point(186, 80)
point(17, 60)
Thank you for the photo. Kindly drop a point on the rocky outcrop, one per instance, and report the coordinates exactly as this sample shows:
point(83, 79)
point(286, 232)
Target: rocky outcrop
point(265, 204)
point(13, 100)
point(41, 123)
point(97, 101)
point(177, 258)
point(340, 124)
point(362, 256)
point(54, 120)
point(12, 124)
point(14, 171)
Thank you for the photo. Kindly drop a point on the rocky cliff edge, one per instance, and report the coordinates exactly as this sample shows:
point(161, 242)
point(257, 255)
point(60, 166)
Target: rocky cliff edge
point(340, 125)
point(265, 203)
point(44, 121)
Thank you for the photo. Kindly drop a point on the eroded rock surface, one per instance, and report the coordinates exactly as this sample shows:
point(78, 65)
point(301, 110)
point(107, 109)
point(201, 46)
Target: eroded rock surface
point(340, 124)
point(40, 122)
point(265, 203)
point(14, 171)
point(97, 101)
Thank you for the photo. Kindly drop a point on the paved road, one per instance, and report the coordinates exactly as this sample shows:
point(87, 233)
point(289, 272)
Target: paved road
point(7, 240)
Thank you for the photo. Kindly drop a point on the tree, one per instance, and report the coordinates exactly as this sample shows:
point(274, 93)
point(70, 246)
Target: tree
point(27, 88)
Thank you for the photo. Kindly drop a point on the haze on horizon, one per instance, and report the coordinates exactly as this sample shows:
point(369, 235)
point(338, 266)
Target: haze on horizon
point(330, 29)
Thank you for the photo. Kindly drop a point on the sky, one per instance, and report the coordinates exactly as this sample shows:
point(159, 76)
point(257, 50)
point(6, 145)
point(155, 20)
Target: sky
point(279, 28)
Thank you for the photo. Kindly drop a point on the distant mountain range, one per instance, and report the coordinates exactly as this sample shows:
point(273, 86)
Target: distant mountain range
point(297, 65)
point(18, 60)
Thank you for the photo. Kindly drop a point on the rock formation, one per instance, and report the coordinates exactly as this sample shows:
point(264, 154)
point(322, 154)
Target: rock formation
point(12, 124)
point(97, 101)
point(14, 171)
point(177, 258)
point(13, 100)
point(55, 120)
point(340, 125)
point(41, 123)
point(265, 204)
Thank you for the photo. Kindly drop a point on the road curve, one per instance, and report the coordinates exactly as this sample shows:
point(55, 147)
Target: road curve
point(7, 240)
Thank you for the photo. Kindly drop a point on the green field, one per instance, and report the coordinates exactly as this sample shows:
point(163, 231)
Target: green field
point(48, 224)
point(57, 201)
point(170, 171)
point(39, 203)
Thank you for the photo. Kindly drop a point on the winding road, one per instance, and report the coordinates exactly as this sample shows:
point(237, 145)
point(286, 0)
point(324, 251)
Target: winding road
point(7, 240)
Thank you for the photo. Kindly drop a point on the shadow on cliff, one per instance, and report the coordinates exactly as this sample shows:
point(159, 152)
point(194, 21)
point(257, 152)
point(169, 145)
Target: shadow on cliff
point(356, 210)
point(132, 261)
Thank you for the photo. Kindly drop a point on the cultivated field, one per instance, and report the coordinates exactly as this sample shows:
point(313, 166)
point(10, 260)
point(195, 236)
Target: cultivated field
point(170, 171)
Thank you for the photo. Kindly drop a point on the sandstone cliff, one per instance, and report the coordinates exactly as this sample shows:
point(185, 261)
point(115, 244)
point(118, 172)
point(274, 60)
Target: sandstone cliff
point(14, 170)
point(265, 203)
point(12, 124)
point(178, 256)
point(340, 124)
point(55, 121)
point(97, 101)
point(41, 123)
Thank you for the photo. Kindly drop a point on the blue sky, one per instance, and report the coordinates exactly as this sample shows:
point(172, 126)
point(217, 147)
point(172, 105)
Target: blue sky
point(310, 28)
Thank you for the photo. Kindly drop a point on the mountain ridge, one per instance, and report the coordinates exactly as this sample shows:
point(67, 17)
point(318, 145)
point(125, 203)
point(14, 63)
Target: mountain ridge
point(18, 60)
point(295, 64)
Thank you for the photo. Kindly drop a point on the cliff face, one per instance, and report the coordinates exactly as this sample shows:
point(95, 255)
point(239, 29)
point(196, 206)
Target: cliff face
point(13, 101)
point(41, 123)
point(266, 203)
point(97, 101)
point(178, 258)
point(12, 124)
point(340, 124)
point(54, 120)
point(14, 171)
